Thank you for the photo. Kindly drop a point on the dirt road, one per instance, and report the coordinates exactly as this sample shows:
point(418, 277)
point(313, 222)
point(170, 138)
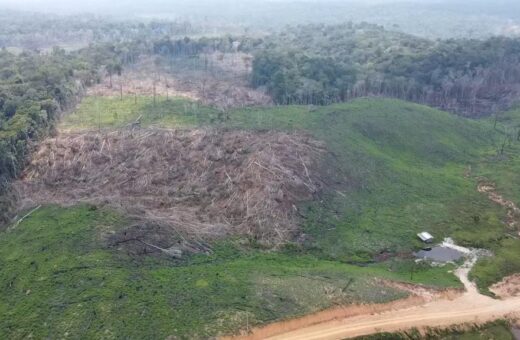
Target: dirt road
point(465, 309)
point(468, 307)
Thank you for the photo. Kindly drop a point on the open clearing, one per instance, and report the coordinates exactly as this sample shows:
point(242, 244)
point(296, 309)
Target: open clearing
point(351, 183)
point(205, 184)
point(173, 176)
point(218, 79)
point(468, 308)
point(509, 287)
point(513, 212)
point(435, 311)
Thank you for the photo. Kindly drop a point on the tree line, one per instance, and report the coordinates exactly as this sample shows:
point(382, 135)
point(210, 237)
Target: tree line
point(190, 47)
point(318, 64)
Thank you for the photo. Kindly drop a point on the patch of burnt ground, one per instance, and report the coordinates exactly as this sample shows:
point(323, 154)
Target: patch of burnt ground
point(185, 187)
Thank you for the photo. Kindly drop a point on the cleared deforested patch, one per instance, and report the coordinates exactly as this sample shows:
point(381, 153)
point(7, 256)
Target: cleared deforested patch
point(222, 84)
point(508, 287)
point(202, 183)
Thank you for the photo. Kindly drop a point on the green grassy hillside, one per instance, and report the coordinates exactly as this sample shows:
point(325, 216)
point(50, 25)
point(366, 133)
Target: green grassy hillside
point(503, 169)
point(106, 112)
point(60, 279)
point(402, 171)
point(407, 168)
point(394, 169)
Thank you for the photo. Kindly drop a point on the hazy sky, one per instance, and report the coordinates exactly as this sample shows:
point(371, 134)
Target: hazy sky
point(75, 5)
point(192, 7)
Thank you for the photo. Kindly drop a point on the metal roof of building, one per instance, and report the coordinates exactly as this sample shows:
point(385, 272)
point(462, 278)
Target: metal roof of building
point(425, 236)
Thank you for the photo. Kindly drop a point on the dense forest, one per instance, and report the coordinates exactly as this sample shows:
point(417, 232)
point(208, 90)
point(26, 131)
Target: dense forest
point(442, 19)
point(187, 47)
point(20, 30)
point(320, 64)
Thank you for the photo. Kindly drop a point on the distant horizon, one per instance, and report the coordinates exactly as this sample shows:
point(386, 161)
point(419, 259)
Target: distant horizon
point(124, 6)
point(432, 19)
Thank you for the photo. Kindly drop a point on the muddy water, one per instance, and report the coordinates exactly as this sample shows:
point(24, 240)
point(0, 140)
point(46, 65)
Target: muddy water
point(516, 333)
point(440, 254)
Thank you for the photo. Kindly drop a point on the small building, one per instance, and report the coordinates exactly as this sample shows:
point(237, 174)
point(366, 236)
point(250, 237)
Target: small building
point(425, 237)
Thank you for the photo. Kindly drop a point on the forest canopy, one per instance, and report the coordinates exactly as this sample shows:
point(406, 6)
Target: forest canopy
point(319, 64)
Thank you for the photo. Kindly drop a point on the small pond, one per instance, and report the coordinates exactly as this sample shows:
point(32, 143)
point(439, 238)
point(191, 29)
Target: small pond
point(516, 333)
point(440, 254)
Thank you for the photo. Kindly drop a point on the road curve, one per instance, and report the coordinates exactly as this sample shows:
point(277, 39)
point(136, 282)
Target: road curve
point(443, 313)
point(469, 307)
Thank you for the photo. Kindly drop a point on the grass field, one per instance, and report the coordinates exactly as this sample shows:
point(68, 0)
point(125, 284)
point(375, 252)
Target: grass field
point(96, 113)
point(399, 168)
point(59, 279)
point(502, 168)
point(408, 168)
point(395, 169)
point(403, 171)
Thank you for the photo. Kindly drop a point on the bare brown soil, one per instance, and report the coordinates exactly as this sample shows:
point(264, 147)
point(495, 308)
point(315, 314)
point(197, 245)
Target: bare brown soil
point(508, 287)
point(427, 294)
point(204, 183)
point(223, 83)
point(324, 316)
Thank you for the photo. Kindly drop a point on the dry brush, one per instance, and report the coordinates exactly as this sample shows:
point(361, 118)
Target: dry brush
point(203, 184)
